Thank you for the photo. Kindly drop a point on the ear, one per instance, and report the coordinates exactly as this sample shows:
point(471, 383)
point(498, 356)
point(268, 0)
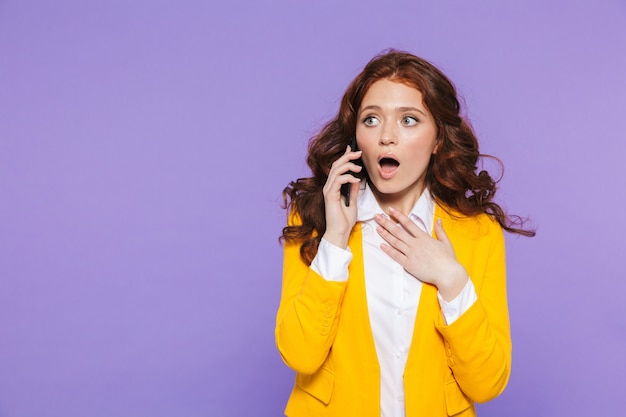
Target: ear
point(437, 146)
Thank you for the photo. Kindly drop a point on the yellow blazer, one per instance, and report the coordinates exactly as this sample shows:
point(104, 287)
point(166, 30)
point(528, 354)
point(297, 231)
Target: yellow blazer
point(323, 333)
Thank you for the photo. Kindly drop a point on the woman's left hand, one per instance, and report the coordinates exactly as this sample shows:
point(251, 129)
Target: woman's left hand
point(428, 259)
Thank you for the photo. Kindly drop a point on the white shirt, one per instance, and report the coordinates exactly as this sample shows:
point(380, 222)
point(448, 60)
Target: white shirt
point(392, 294)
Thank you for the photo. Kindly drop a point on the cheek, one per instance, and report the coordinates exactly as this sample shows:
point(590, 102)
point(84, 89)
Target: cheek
point(365, 144)
point(369, 157)
point(363, 137)
point(369, 160)
point(421, 156)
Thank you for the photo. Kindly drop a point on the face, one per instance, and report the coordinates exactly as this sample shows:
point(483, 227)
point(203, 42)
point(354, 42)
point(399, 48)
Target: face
point(397, 135)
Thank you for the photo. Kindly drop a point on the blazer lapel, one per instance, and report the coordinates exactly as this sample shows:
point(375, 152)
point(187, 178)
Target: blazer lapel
point(356, 298)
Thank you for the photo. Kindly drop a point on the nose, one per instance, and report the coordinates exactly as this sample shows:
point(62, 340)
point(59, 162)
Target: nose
point(388, 136)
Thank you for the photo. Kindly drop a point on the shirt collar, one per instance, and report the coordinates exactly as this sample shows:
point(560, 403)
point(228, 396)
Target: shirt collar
point(422, 212)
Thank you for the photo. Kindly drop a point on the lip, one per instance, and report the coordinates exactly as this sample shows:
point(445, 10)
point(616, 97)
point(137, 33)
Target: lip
point(387, 173)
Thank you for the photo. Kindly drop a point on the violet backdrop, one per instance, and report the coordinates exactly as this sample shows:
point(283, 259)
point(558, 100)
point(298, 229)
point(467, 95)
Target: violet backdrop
point(144, 146)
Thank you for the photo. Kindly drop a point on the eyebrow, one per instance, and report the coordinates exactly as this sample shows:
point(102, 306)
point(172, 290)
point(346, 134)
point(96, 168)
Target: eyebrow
point(400, 109)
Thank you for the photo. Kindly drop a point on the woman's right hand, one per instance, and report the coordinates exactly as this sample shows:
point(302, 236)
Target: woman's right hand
point(341, 218)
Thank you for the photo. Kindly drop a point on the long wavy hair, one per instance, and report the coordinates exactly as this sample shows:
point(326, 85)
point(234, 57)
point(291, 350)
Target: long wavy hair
point(452, 176)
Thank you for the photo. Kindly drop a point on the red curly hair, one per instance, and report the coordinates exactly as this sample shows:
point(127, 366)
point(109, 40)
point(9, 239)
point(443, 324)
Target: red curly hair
point(452, 176)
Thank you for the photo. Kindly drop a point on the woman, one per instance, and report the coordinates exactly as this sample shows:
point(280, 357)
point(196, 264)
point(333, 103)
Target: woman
point(393, 299)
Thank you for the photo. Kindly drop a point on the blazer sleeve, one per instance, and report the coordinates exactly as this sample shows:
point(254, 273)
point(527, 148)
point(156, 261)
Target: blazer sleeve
point(478, 344)
point(308, 315)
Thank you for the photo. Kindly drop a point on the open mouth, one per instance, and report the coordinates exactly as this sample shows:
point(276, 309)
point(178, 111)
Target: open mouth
point(387, 166)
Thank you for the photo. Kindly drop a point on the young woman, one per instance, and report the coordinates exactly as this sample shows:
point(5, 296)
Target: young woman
point(393, 298)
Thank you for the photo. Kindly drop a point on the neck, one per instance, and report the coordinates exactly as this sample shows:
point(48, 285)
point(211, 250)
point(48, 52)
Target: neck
point(403, 201)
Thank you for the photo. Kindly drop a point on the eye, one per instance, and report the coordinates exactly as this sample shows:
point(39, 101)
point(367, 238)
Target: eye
point(370, 121)
point(409, 120)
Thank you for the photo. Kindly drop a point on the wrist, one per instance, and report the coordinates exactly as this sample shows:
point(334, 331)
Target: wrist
point(336, 239)
point(452, 286)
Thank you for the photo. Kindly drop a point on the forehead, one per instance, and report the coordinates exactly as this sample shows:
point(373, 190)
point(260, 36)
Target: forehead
point(391, 92)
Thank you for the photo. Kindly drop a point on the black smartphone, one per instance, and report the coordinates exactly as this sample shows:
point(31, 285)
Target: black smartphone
point(345, 188)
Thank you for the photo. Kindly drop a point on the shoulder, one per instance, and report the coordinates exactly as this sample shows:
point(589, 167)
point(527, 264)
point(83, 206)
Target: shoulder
point(477, 227)
point(478, 241)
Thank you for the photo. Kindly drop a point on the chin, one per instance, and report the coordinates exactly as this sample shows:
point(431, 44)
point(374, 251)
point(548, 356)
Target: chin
point(387, 187)
point(395, 187)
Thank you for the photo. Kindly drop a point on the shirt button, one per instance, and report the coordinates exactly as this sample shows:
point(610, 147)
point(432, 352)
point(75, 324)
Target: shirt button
point(398, 355)
point(399, 312)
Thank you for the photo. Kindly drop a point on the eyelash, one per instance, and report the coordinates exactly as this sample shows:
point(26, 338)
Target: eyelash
point(367, 120)
point(415, 119)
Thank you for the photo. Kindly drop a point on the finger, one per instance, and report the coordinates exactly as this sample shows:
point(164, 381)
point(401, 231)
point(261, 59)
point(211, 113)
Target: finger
point(441, 234)
point(391, 227)
point(393, 240)
point(333, 187)
point(349, 150)
point(353, 182)
point(395, 254)
point(354, 192)
point(349, 155)
point(341, 166)
point(406, 223)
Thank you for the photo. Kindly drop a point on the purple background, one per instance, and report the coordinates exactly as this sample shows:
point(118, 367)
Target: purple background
point(144, 146)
